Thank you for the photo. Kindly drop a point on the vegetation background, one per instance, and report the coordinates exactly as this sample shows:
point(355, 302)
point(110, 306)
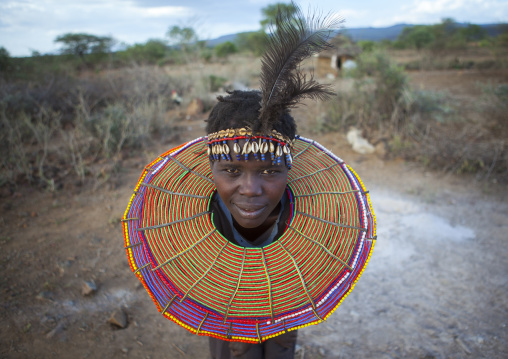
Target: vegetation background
point(63, 116)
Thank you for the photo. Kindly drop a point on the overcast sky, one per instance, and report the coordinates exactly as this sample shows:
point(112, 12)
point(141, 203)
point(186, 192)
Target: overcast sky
point(27, 25)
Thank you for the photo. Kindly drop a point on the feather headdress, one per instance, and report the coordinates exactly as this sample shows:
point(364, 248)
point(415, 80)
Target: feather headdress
point(294, 38)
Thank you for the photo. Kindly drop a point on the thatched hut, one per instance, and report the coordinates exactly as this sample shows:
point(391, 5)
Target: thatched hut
point(329, 63)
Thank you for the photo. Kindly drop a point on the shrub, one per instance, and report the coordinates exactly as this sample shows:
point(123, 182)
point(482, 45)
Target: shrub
point(429, 127)
point(254, 42)
point(216, 82)
point(5, 61)
point(148, 53)
point(61, 126)
point(225, 49)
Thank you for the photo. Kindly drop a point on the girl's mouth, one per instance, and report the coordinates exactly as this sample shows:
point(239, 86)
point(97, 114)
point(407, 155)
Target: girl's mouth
point(249, 212)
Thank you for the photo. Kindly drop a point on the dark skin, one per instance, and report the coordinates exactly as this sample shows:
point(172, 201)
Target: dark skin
point(251, 190)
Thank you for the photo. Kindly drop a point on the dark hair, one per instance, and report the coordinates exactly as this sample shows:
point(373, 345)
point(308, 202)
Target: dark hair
point(241, 109)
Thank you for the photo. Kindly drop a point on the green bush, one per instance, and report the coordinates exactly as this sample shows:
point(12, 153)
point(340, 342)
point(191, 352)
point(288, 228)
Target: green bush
point(254, 42)
point(225, 49)
point(5, 61)
point(367, 45)
point(378, 87)
point(148, 53)
point(216, 82)
point(389, 80)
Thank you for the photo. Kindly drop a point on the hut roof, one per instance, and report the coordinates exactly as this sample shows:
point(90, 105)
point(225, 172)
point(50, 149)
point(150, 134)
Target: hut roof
point(342, 46)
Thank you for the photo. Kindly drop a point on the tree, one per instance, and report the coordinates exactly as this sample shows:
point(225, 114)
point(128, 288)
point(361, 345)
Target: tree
point(446, 35)
point(270, 12)
point(254, 42)
point(473, 32)
point(225, 49)
point(502, 39)
point(5, 60)
point(82, 44)
point(367, 45)
point(186, 39)
point(419, 36)
point(182, 36)
point(150, 52)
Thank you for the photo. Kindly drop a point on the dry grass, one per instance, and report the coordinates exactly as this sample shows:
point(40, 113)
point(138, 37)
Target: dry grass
point(432, 127)
point(78, 128)
point(62, 126)
point(473, 57)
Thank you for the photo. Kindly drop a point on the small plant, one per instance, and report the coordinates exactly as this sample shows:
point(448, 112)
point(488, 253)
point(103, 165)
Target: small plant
point(376, 95)
point(216, 82)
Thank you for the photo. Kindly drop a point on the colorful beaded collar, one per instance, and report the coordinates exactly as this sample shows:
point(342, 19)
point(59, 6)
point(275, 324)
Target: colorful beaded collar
point(210, 286)
point(259, 145)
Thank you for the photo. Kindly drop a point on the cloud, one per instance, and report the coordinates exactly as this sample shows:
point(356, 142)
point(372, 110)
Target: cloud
point(163, 11)
point(438, 6)
point(351, 16)
point(432, 11)
point(34, 24)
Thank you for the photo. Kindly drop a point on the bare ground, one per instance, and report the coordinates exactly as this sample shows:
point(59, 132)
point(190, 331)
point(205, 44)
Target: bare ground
point(436, 286)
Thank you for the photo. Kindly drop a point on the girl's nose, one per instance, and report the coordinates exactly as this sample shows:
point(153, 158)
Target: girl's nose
point(251, 186)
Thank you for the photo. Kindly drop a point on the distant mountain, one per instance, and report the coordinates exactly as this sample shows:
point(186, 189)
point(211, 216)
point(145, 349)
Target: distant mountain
point(368, 33)
point(221, 39)
point(375, 33)
point(393, 32)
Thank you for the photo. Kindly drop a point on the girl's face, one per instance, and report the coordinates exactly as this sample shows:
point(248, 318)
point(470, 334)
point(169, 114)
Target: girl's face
point(251, 189)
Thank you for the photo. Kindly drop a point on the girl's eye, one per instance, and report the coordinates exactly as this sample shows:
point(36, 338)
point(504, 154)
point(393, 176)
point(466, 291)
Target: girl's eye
point(231, 171)
point(269, 172)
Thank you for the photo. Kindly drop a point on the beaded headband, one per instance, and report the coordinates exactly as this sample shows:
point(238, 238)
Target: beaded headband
point(275, 144)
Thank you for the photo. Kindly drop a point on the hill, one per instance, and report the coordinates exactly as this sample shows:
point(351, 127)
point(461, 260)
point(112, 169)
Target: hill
point(369, 33)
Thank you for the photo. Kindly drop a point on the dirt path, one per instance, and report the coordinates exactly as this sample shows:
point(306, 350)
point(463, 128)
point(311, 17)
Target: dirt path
point(436, 286)
point(437, 282)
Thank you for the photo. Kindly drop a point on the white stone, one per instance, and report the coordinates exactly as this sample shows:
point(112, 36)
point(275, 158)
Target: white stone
point(359, 144)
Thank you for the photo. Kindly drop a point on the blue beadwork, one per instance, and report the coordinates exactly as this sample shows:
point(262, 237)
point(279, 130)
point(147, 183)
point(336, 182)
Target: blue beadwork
point(246, 155)
point(237, 155)
point(262, 154)
point(272, 154)
point(227, 157)
point(288, 161)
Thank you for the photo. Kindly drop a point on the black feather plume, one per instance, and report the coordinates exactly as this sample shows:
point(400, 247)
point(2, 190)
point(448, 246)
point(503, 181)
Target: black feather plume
point(294, 38)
